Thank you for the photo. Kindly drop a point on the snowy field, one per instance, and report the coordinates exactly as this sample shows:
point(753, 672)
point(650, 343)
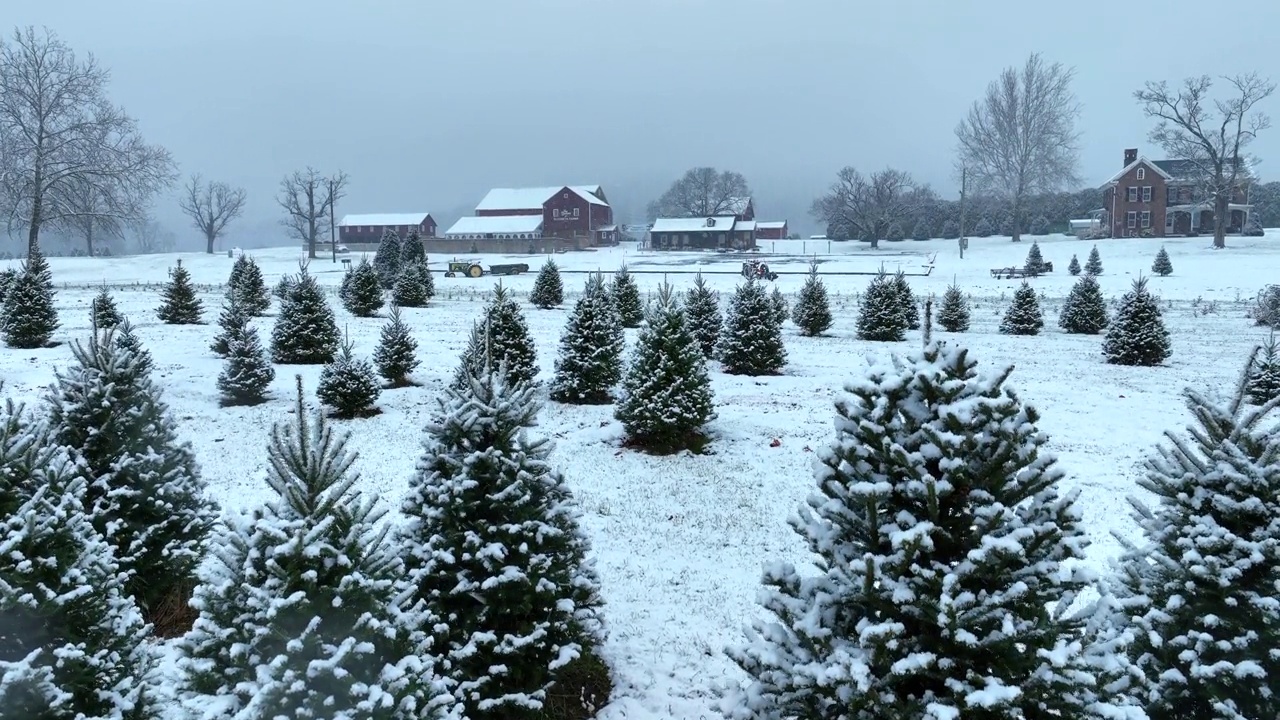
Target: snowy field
point(680, 540)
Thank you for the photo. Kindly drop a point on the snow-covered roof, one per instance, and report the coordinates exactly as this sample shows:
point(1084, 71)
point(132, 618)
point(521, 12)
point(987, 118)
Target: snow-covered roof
point(607, 228)
point(496, 225)
point(745, 226)
point(383, 219)
point(771, 224)
point(738, 205)
point(533, 198)
point(1140, 161)
point(689, 225)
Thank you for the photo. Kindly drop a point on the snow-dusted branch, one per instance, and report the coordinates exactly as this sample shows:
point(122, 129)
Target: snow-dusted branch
point(211, 206)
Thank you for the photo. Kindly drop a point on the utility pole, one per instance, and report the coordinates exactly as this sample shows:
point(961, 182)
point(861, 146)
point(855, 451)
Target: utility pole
point(964, 177)
point(333, 232)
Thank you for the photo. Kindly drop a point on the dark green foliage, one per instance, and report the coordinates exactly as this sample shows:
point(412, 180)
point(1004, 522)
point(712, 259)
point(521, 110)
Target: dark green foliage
point(906, 301)
point(1085, 310)
point(361, 292)
point(548, 290)
point(1040, 225)
point(247, 372)
point(702, 312)
point(1137, 336)
point(179, 304)
point(1035, 261)
point(411, 250)
point(780, 307)
point(284, 287)
point(232, 322)
point(751, 343)
point(950, 229)
point(248, 287)
point(880, 316)
point(414, 288)
point(626, 297)
point(1023, 316)
point(305, 332)
point(387, 259)
point(1006, 225)
point(103, 313)
point(506, 335)
point(895, 233)
point(28, 317)
point(1093, 265)
point(666, 392)
point(1074, 266)
point(953, 315)
point(921, 231)
point(396, 354)
point(983, 228)
point(127, 340)
point(1264, 373)
point(812, 312)
point(1162, 265)
point(7, 278)
point(1266, 309)
point(348, 385)
point(590, 362)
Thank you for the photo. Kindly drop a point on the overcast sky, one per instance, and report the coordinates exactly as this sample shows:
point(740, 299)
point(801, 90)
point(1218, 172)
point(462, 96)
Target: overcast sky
point(426, 105)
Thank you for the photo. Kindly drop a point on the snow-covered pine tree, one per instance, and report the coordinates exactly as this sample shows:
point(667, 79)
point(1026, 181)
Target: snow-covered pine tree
point(1035, 260)
point(179, 304)
point(1085, 310)
point(946, 559)
point(950, 229)
point(1200, 593)
point(895, 233)
point(349, 385)
point(103, 312)
point(907, 301)
point(396, 354)
point(1040, 225)
point(983, 228)
point(590, 362)
point(299, 616)
point(414, 287)
point(1162, 266)
point(284, 287)
point(7, 278)
point(1264, 373)
point(548, 289)
point(880, 316)
point(305, 332)
point(248, 286)
point(362, 290)
point(922, 231)
point(780, 307)
point(72, 643)
point(145, 493)
point(28, 317)
point(387, 259)
point(412, 250)
point(751, 343)
point(953, 314)
point(496, 561)
point(1074, 266)
point(666, 392)
point(125, 338)
point(247, 372)
point(702, 312)
point(232, 322)
point(1023, 316)
point(1137, 335)
point(812, 312)
point(1093, 265)
point(1006, 225)
point(509, 343)
point(626, 297)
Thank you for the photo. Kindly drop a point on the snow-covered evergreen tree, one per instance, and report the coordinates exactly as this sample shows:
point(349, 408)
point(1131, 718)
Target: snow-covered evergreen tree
point(953, 314)
point(232, 322)
point(28, 317)
point(1035, 260)
point(702, 312)
point(950, 229)
point(145, 492)
point(895, 233)
point(626, 297)
point(922, 231)
point(397, 353)
point(946, 559)
point(127, 339)
point(1162, 266)
point(7, 278)
point(906, 301)
point(1040, 225)
point(249, 287)
point(412, 250)
point(103, 312)
point(348, 384)
point(1085, 310)
point(179, 304)
point(507, 337)
point(284, 287)
point(299, 616)
point(666, 392)
point(590, 362)
point(548, 289)
point(1074, 266)
point(880, 316)
point(305, 333)
point(1023, 316)
point(387, 259)
point(247, 372)
point(414, 287)
point(1093, 265)
point(751, 343)
point(494, 557)
point(983, 228)
point(812, 312)
point(780, 307)
point(1264, 373)
point(1137, 335)
point(362, 290)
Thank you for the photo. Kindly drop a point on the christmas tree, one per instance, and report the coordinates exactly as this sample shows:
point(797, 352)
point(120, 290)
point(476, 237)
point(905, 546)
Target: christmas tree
point(412, 251)
point(548, 290)
point(626, 297)
point(362, 290)
point(179, 304)
point(387, 259)
point(780, 307)
point(232, 322)
point(907, 301)
point(495, 560)
point(349, 385)
point(1162, 265)
point(1074, 266)
point(300, 616)
point(702, 312)
point(247, 373)
point(103, 312)
point(28, 317)
point(414, 287)
point(506, 334)
point(1137, 335)
point(880, 316)
point(248, 287)
point(666, 392)
point(127, 340)
point(396, 354)
point(751, 343)
point(7, 278)
point(946, 559)
point(1264, 373)
point(145, 493)
point(305, 332)
point(284, 287)
point(983, 228)
point(590, 362)
point(1085, 310)
point(812, 312)
point(1035, 261)
point(1040, 225)
point(922, 231)
point(1093, 265)
point(953, 315)
point(1023, 316)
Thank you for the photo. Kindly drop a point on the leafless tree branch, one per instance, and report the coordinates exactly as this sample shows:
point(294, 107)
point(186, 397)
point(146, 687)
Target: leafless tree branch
point(701, 192)
point(306, 196)
point(869, 205)
point(211, 206)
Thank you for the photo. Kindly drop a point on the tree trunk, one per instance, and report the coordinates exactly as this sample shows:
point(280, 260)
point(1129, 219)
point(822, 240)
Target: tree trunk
point(33, 231)
point(1220, 216)
point(1017, 218)
point(88, 238)
point(209, 240)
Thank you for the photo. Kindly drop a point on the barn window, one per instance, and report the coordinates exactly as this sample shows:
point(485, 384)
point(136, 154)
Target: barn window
point(1142, 173)
point(575, 212)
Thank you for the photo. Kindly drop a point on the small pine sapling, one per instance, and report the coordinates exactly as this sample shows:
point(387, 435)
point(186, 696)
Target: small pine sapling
point(906, 301)
point(179, 304)
point(1023, 316)
point(396, 354)
point(1264, 373)
point(812, 311)
point(953, 314)
point(702, 310)
point(284, 287)
point(387, 259)
point(880, 315)
point(589, 365)
point(548, 289)
point(1074, 266)
point(780, 307)
point(1093, 265)
point(126, 339)
point(103, 311)
point(305, 332)
point(7, 277)
point(751, 343)
point(1162, 265)
point(1035, 260)
point(504, 336)
point(1137, 335)
point(926, 329)
point(1085, 310)
point(414, 287)
point(247, 372)
point(362, 290)
point(29, 317)
point(248, 287)
point(232, 322)
point(349, 385)
point(412, 250)
point(626, 297)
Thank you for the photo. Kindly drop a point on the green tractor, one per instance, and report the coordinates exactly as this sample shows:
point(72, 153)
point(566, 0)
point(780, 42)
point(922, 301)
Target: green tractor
point(473, 269)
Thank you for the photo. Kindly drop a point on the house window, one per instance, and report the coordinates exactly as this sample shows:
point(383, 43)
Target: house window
point(1142, 173)
point(1146, 193)
point(1168, 222)
point(555, 213)
point(1146, 218)
point(575, 212)
point(1133, 218)
point(1171, 195)
point(1132, 193)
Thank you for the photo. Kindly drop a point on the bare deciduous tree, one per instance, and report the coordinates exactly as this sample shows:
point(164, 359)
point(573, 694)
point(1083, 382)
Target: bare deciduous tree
point(211, 206)
point(1210, 138)
point(63, 142)
point(1020, 139)
point(868, 205)
point(306, 197)
point(701, 192)
point(151, 237)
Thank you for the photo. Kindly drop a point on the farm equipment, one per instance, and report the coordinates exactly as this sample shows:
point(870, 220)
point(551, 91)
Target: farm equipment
point(473, 269)
point(758, 269)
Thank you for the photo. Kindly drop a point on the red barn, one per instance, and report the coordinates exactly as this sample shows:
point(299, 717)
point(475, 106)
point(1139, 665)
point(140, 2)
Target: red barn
point(571, 212)
point(771, 230)
point(365, 229)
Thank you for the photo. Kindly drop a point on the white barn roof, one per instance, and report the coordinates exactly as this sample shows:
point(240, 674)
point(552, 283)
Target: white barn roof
point(383, 219)
point(496, 225)
point(692, 225)
point(533, 198)
point(771, 224)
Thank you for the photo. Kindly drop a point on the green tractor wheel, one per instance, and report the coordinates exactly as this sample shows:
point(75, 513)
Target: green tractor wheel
point(475, 271)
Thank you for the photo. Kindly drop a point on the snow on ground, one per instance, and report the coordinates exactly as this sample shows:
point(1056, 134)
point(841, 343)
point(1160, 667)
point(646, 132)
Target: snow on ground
point(681, 540)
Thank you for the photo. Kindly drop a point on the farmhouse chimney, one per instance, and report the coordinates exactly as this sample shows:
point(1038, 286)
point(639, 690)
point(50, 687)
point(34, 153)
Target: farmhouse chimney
point(1130, 156)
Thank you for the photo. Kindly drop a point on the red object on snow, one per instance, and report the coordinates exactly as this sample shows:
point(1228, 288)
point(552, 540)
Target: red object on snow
point(775, 442)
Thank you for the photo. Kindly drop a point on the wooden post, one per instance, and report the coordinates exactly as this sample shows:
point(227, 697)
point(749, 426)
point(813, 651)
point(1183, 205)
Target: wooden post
point(964, 176)
point(333, 232)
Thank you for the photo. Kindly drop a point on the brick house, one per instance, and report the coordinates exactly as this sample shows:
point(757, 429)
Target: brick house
point(368, 229)
point(742, 208)
point(570, 212)
point(771, 230)
point(1163, 198)
point(712, 233)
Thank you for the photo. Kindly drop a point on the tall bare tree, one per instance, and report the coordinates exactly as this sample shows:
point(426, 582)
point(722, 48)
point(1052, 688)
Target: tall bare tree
point(1020, 139)
point(150, 237)
point(306, 196)
point(211, 205)
point(63, 141)
point(1211, 138)
point(867, 206)
point(701, 192)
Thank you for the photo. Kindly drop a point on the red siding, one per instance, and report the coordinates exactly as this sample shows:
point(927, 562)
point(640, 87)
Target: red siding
point(1116, 200)
point(505, 213)
point(559, 220)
